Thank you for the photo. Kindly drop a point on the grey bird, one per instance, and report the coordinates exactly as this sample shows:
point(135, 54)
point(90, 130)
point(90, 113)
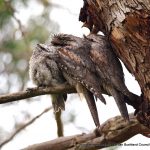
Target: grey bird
point(91, 62)
point(86, 63)
point(46, 69)
point(79, 70)
point(44, 72)
point(111, 73)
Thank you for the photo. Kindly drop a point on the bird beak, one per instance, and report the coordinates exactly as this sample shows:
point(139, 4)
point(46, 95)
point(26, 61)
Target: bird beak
point(43, 47)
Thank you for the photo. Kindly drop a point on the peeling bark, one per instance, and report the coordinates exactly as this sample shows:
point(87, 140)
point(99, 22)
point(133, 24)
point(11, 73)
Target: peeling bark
point(126, 23)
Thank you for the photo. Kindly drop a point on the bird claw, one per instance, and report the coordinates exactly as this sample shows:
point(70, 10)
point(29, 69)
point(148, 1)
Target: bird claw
point(29, 89)
point(34, 88)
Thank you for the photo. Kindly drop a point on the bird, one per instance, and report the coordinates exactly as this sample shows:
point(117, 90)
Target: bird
point(91, 62)
point(44, 72)
point(78, 69)
point(88, 64)
point(111, 73)
point(46, 69)
point(75, 62)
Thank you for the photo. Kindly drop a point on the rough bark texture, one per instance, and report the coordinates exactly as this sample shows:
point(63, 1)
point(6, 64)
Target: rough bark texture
point(126, 23)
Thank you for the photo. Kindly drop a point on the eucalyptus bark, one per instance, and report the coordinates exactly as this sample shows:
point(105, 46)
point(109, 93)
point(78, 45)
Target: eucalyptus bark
point(126, 23)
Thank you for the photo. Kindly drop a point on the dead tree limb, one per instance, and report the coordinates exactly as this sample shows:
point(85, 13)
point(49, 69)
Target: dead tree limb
point(114, 131)
point(32, 92)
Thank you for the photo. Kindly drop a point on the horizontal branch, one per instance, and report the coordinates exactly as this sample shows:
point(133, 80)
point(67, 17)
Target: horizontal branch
point(32, 92)
point(37, 91)
point(114, 131)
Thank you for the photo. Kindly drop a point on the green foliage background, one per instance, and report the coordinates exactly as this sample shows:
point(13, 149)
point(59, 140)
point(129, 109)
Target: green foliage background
point(17, 40)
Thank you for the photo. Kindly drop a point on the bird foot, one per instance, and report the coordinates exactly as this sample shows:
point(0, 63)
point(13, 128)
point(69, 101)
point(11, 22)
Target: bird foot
point(33, 88)
point(29, 89)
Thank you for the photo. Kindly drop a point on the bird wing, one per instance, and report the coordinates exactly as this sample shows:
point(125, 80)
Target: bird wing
point(76, 68)
point(107, 64)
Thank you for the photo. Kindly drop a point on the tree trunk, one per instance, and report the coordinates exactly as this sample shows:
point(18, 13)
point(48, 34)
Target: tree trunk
point(126, 23)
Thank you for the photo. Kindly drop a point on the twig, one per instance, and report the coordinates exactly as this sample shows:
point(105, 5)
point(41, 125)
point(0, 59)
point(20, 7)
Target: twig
point(114, 131)
point(32, 92)
point(23, 127)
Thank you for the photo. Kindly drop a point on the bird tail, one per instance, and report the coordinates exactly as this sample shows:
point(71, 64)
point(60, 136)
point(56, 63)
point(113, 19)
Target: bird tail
point(92, 106)
point(119, 99)
point(58, 101)
point(90, 101)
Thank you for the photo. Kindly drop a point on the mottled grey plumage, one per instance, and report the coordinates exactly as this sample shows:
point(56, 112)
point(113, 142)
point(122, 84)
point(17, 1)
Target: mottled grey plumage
point(79, 70)
point(45, 65)
point(110, 71)
point(91, 62)
point(44, 72)
point(43, 69)
point(87, 94)
point(74, 60)
point(86, 63)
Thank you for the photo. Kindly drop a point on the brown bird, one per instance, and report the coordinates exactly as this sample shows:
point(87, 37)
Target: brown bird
point(92, 62)
point(78, 69)
point(111, 73)
point(86, 63)
point(46, 70)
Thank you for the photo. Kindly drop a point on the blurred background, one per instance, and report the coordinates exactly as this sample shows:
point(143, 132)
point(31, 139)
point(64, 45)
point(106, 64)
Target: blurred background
point(23, 24)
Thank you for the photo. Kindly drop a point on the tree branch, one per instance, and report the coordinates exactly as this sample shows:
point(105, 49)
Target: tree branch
point(37, 91)
point(32, 92)
point(23, 126)
point(114, 131)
